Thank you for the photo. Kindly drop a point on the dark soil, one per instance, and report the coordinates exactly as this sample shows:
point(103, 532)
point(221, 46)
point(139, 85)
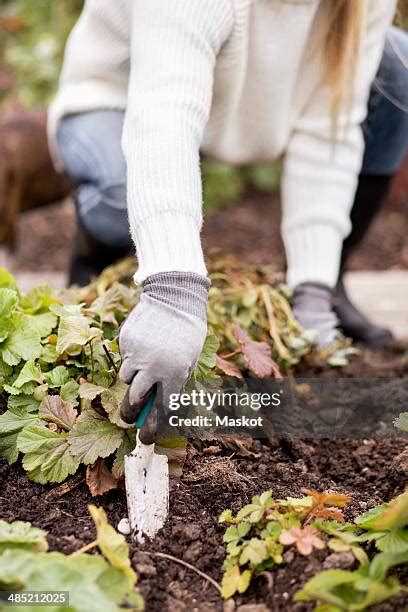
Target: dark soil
point(250, 229)
point(370, 471)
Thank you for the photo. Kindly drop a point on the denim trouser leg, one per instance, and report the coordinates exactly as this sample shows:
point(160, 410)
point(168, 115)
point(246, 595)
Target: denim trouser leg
point(90, 147)
point(386, 126)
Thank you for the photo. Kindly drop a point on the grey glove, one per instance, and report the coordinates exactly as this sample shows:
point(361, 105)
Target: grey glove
point(161, 341)
point(313, 308)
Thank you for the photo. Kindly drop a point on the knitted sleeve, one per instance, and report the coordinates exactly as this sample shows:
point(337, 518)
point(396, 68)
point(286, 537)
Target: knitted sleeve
point(320, 176)
point(173, 52)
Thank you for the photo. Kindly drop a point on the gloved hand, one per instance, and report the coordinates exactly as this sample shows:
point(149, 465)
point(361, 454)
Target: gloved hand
point(161, 341)
point(312, 306)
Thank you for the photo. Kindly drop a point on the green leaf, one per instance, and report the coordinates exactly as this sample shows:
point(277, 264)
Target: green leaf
point(402, 421)
point(26, 389)
point(90, 391)
point(233, 581)
point(23, 401)
point(39, 298)
point(112, 399)
point(297, 502)
point(22, 535)
point(272, 530)
point(44, 323)
point(57, 576)
point(207, 359)
point(24, 342)
point(319, 587)
point(226, 517)
point(366, 520)
point(377, 592)
point(48, 452)
point(6, 279)
point(111, 543)
point(117, 300)
point(37, 437)
point(254, 552)
point(15, 419)
point(383, 562)
point(29, 373)
point(394, 516)
point(69, 392)
point(57, 377)
point(49, 353)
point(8, 357)
point(94, 436)
point(8, 304)
point(5, 369)
point(236, 532)
point(117, 586)
point(53, 409)
point(8, 447)
point(15, 566)
point(395, 541)
point(255, 511)
point(75, 331)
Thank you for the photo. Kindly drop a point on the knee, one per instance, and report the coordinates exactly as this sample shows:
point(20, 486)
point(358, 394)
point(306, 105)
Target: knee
point(392, 76)
point(103, 212)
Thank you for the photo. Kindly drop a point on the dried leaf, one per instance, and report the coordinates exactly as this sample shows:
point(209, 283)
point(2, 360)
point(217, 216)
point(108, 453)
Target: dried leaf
point(228, 367)
point(99, 479)
point(326, 505)
point(258, 355)
point(240, 445)
point(328, 498)
point(55, 410)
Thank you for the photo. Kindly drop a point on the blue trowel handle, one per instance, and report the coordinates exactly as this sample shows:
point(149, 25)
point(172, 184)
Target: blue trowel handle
point(146, 410)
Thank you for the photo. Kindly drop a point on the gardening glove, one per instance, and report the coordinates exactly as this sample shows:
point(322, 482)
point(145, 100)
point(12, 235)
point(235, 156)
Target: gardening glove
point(313, 308)
point(160, 342)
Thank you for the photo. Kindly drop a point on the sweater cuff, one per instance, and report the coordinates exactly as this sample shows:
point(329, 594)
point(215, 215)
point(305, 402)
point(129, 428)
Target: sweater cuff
point(168, 242)
point(313, 254)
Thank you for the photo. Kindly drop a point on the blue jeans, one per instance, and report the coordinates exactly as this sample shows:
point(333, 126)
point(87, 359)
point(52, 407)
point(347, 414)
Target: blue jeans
point(90, 147)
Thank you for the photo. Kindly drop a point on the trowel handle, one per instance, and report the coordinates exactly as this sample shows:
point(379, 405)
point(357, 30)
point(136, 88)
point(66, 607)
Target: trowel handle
point(145, 411)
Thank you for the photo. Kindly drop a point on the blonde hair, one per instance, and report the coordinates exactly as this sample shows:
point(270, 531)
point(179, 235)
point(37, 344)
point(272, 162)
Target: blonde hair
point(342, 45)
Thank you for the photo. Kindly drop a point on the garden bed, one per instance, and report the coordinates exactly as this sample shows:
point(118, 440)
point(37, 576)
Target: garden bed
point(369, 471)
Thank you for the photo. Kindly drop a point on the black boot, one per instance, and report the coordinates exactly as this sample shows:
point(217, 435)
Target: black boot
point(89, 257)
point(370, 195)
point(355, 324)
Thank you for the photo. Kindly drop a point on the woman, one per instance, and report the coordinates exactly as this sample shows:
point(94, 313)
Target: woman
point(240, 81)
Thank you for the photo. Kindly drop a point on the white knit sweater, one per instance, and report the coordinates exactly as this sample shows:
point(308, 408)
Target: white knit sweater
point(239, 81)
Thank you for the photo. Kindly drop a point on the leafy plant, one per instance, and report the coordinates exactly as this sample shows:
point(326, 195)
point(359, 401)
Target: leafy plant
point(261, 531)
point(258, 534)
point(354, 590)
point(59, 359)
point(103, 581)
point(387, 526)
